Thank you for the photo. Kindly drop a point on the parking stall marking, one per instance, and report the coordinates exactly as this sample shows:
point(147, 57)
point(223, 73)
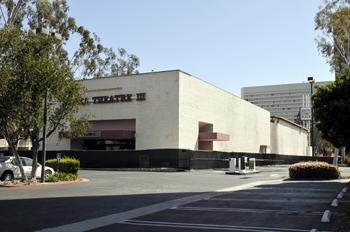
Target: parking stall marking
point(272, 200)
point(298, 189)
point(304, 213)
point(126, 217)
point(207, 226)
point(114, 218)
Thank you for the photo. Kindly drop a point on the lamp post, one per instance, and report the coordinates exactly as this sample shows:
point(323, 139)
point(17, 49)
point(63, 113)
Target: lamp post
point(58, 36)
point(311, 81)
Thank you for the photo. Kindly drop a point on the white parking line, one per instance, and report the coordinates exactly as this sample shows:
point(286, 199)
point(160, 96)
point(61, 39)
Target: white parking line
point(208, 226)
point(304, 213)
point(298, 189)
point(271, 200)
point(301, 193)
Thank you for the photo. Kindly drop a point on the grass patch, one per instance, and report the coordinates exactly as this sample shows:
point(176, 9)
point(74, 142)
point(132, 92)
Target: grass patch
point(19, 182)
point(343, 165)
point(11, 182)
point(61, 176)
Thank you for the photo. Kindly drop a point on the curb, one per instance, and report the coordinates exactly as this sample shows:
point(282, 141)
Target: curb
point(242, 173)
point(137, 169)
point(43, 184)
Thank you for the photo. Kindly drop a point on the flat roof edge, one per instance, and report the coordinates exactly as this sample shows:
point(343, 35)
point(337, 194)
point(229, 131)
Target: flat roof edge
point(290, 122)
point(138, 74)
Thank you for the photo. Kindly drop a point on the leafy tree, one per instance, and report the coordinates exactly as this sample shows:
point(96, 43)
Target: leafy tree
point(323, 146)
point(91, 59)
point(333, 20)
point(15, 12)
point(25, 119)
point(9, 96)
point(32, 71)
point(332, 108)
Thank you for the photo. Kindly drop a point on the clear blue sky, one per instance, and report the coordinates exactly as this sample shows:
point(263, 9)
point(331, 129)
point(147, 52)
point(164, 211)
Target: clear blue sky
point(228, 43)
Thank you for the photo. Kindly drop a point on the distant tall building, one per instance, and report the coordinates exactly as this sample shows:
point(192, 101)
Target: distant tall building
point(281, 100)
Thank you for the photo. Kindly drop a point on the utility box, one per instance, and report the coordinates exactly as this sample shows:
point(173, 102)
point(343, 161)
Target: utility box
point(232, 164)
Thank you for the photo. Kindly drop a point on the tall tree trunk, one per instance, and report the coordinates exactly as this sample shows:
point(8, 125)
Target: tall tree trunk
point(13, 148)
point(35, 149)
point(14, 152)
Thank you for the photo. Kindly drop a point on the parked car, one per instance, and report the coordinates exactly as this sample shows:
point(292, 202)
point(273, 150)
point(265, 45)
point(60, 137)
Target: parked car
point(9, 168)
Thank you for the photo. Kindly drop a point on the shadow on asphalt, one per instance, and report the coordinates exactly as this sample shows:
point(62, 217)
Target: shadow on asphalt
point(286, 206)
point(36, 214)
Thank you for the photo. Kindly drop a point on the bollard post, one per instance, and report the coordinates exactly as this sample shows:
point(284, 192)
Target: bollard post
point(335, 159)
point(232, 164)
point(252, 164)
point(343, 155)
point(239, 164)
point(242, 168)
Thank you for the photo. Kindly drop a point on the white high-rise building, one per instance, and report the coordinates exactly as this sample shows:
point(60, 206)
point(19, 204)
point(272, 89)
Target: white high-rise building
point(281, 100)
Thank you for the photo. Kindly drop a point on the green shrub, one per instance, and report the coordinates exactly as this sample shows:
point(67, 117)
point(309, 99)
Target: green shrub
point(11, 182)
point(66, 165)
point(61, 176)
point(313, 170)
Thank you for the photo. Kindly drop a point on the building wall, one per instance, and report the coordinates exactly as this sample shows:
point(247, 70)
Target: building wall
point(288, 139)
point(280, 100)
point(126, 124)
point(22, 144)
point(156, 118)
point(209, 109)
point(177, 108)
point(3, 144)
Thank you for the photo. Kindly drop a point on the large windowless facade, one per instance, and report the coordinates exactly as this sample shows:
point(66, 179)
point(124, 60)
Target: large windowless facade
point(173, 109)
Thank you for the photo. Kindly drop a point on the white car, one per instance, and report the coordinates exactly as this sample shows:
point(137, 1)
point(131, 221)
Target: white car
point(9, 168)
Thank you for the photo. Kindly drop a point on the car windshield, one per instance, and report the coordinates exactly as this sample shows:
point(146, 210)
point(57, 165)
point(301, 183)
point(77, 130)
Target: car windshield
point(3, 159)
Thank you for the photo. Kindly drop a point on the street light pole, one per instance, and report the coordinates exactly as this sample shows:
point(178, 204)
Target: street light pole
point(44, 141)
point(43, 159)
point(311, 81)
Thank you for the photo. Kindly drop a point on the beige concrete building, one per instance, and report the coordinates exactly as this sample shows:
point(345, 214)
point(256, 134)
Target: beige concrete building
point(22, 144)
point(175, 110)
point(169, 109)
point(289, 138)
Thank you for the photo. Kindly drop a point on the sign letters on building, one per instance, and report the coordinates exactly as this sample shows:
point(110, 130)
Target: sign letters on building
point(114, 98)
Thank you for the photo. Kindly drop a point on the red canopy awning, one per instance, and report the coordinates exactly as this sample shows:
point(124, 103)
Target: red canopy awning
point(213, 136)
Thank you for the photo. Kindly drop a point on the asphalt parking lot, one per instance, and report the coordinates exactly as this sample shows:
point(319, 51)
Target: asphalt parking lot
point(183, 201)
point(276, 207)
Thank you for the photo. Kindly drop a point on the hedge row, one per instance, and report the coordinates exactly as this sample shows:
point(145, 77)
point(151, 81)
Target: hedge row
point(313, 170)
point(66, 165)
